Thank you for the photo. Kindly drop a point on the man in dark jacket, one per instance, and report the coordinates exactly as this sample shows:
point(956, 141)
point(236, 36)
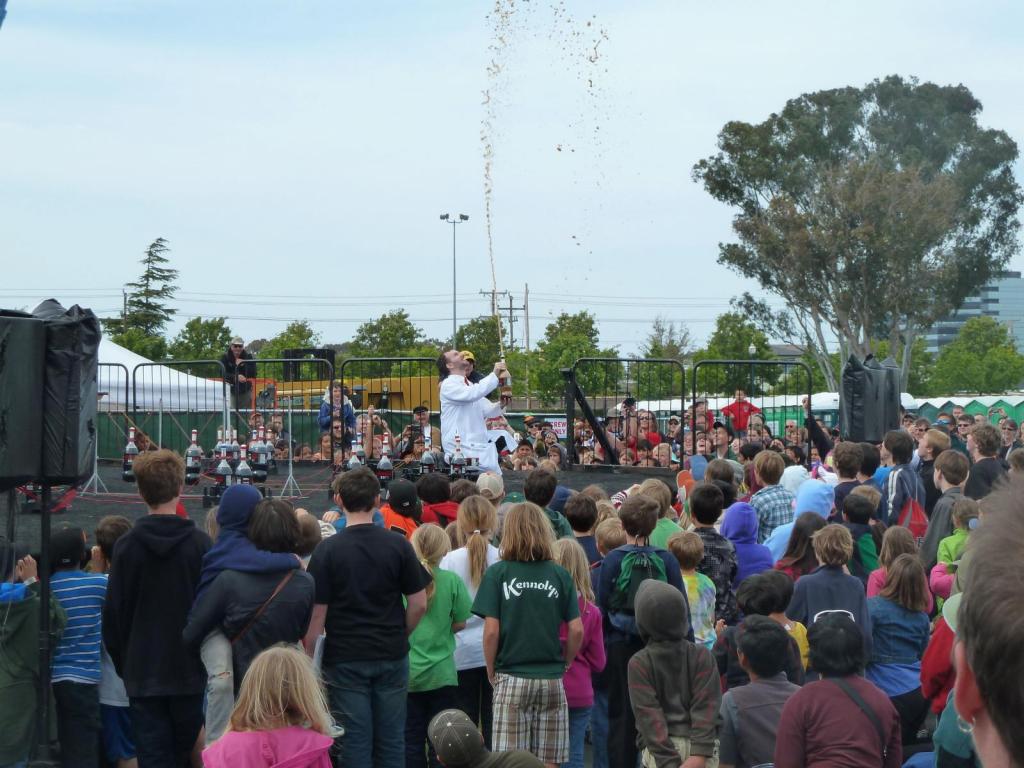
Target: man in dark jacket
point(929, 446)
point(153, 579)
point(238, 369)
point(983, 443)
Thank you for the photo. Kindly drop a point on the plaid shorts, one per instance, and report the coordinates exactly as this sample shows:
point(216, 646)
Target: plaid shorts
point(532, 715)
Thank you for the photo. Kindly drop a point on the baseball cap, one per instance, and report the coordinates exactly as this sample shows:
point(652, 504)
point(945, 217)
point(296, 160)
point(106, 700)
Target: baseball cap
point(67, 547)
point(456, 739)
point(468, 355)
point(420, 409)
point(402, 497)
point(237, 340)
point(528, 420)
point(726, 426)
point(951, 608)
point(491, 486)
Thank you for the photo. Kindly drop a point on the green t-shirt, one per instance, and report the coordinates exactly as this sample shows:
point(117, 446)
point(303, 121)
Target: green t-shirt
point(432, 644)
point(531, 600)
point(662, 531)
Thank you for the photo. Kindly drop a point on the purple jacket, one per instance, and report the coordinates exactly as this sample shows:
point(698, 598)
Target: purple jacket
point(579, 691)
point(740, 527)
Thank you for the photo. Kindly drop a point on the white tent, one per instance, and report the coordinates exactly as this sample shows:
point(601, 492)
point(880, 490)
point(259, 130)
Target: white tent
point(156, 387)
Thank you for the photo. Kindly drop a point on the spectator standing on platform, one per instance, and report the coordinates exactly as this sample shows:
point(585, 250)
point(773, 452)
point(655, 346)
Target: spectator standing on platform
point(739, 411)
point(238, 370)
point(336, 405)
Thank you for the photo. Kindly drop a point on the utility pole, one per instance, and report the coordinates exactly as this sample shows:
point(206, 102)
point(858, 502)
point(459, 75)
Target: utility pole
point(526, 313)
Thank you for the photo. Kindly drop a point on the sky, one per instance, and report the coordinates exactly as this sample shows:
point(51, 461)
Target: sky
point(297, 155)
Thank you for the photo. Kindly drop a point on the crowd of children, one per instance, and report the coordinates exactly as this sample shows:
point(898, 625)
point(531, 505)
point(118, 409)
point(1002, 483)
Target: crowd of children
point(735, 618)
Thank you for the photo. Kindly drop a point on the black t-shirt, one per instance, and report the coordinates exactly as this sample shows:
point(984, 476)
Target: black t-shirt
point(361, 574)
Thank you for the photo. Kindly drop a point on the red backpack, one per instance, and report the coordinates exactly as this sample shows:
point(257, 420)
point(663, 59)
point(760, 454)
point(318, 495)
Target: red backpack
point(912, 515)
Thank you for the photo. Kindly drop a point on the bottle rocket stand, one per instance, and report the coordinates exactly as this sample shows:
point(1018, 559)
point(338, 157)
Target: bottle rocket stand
point(290, 488)
point(95, 483)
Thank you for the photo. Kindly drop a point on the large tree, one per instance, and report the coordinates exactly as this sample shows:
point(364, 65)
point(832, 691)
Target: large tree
point(669, 342)
point(297, 334)
point(871, 212)
point(390, 335)
point(146, 313)
point(732, 339)
point(566, 339)
point(982, 359)
point(480, 336)
point(201, 340)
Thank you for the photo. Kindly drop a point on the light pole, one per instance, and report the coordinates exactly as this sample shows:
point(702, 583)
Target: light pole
point(752, 350)
point(451, 218)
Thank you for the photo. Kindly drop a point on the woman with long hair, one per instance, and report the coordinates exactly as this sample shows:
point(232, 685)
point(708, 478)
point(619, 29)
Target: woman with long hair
point(899, 631)
point(897, 540)
point(799, 558)
point(476, 523)
point(281, 710)
point(433, 682)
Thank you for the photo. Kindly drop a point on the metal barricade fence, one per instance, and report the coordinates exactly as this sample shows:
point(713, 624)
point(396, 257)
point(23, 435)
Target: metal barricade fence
point(631, 395)
point(392, 387)
point(171, 398)
point(286, 396)
point(753, 400)
point(113, 405)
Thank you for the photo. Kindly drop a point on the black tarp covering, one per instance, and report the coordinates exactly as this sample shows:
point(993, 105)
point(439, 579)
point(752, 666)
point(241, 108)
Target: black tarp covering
point(22, 342)
point(69, 392)
point(869, 399)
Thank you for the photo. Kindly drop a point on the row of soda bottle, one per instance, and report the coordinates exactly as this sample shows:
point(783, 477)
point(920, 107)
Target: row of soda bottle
point(233, 465)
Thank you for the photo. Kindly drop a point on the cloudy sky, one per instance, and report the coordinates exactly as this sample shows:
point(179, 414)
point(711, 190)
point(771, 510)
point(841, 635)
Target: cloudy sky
point(296, 155)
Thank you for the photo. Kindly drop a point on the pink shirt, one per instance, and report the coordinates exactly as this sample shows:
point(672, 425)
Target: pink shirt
point(579, 691)
point(876, 580)
point(291, 747)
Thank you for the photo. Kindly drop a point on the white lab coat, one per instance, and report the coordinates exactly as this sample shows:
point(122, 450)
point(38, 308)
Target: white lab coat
point(464, 411)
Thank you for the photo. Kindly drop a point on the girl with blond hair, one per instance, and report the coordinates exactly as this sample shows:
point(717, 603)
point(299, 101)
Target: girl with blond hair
point(590, 659)
point(432, 677)
point(524, 599)
point(477, 522)
point(280, 717)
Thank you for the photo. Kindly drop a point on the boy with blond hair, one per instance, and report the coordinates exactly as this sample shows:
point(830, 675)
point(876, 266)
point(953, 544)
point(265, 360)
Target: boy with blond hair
point(773, 503)
point(688, 549)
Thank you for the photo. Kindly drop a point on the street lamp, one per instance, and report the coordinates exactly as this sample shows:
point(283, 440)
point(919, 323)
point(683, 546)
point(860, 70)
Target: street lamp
point(451, 218)
point(751, 350)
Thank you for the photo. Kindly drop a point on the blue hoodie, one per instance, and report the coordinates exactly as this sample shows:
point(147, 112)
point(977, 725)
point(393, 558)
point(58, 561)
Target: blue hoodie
point(740, 527)
point(233, 550)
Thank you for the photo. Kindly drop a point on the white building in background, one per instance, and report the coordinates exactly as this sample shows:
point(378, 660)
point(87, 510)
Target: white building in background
point(1002, 299)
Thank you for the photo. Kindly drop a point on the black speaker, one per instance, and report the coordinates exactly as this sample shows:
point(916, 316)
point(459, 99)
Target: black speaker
point(22, 343)
point(69, 392)
point(869, 399)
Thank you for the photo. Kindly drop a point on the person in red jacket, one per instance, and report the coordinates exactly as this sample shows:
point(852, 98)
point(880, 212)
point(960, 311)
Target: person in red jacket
point(435, 492)
point(937, 671)
point(740, 410)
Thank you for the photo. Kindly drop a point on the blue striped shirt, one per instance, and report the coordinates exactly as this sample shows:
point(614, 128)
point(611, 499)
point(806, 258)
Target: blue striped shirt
point(80, 594)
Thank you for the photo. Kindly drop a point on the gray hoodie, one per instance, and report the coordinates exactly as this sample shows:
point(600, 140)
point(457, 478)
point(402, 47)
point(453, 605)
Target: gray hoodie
point(673, 684)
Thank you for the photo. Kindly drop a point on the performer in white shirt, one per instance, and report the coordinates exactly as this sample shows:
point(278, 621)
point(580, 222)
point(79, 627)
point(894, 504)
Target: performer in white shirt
point(465, 409)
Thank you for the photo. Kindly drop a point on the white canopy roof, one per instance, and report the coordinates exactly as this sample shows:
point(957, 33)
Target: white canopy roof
point(156, 387)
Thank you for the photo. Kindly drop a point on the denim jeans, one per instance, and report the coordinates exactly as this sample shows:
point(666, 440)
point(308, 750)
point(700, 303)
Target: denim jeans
point(579, 718)
point(78, 723)
point(599, 728)
point(166, 728)
point(220, 683)
point(421, 707)
point(367, 698)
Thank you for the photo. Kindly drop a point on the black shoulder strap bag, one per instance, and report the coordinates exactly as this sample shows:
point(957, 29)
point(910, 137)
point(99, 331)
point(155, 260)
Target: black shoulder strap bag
point(848, 689)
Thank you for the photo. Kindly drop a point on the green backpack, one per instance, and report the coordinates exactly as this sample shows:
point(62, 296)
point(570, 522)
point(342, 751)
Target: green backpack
point(636, 568)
